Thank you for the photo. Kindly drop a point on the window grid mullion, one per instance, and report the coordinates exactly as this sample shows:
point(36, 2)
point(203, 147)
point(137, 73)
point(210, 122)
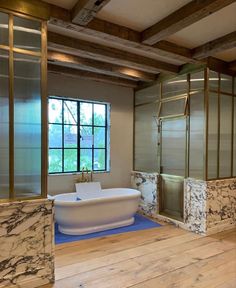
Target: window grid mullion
point(63, 154)
point(78, 136)
point(93, 137)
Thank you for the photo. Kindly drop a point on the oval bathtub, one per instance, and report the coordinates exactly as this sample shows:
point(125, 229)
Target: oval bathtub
point(106, 209)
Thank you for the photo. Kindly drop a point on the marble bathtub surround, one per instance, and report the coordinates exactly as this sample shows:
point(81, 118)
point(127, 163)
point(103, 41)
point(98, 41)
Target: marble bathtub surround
point(27, 243)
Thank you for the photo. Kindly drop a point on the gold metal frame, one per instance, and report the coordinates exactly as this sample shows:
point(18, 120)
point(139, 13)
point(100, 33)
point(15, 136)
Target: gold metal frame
point(43, 56)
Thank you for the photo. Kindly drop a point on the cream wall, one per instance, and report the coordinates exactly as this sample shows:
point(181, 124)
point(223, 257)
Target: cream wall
point(121, 142)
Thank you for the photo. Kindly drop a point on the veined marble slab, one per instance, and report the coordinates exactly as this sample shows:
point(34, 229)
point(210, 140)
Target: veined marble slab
point(147, 184)
point(27, 243)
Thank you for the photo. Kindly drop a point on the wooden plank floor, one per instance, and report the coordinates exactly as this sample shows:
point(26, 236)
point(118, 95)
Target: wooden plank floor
point(159, 257)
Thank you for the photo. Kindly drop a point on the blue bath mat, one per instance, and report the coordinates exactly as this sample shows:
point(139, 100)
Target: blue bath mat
point(140, 223)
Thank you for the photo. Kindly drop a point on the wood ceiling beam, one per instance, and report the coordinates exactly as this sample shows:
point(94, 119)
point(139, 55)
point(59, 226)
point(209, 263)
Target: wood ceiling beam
point(123, 36)
point(99, 66)
point(85, 10)
point(232, 65)
point(55, 69)
point(218, 45)
point(219, 66)
point(99, 52)
point(183, 17)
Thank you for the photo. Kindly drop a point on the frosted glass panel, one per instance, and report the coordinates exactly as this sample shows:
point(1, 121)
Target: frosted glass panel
point(213, 80)
point(175, 87)
point(145, 158)
point(4, 125)
point(27, 34)
point(27, 106)
point(147, 95)
point(197, 81)
point(173, 146)
point(4, 32)
point(172, 108)
point(225, 135)
point(212, 135)
point(196, 148)
point(226, 84)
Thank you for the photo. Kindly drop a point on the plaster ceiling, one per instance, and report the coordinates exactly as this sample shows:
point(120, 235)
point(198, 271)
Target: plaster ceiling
point(67, 4)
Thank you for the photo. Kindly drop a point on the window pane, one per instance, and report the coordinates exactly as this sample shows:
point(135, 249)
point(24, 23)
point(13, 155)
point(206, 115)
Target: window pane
point(226, 83)
point(99, 159)
point(212, 135)
point(4, 32)
point(70, 136)
point(55, 111)
point(99, 115)
point(99, 137)
point(86, 137)
point(86, 113)
point(27, 124)
point(27, 34)
point(70, 160)
point(172, 108)
point(4, 125)
point(55, 160)
point(55, 136)
point(70, 112)
point(175, 87)
point(86, 159)
point(225, 135)
point(197, 81)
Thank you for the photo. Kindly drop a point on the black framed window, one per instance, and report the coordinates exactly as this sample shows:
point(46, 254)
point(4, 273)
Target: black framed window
point(78, 135)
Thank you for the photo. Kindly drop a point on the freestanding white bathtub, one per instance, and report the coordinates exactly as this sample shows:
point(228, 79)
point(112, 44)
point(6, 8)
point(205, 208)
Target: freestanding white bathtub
point(107, 209)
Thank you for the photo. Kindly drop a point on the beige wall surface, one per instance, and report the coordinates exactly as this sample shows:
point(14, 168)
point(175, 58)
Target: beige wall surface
point(121, 133)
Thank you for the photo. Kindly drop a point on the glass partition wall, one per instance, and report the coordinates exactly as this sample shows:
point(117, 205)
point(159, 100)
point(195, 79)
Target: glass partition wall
point(23, 116)
point(186, 127)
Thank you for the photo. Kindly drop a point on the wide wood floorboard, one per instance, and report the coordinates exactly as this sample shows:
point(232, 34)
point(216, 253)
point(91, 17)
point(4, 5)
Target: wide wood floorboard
point(160, 257)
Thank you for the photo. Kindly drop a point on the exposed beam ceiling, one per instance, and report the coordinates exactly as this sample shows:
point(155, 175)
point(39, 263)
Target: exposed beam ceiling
point(117, 34)
point(103, 53)
point(91, 76)
point(220, 66)
point(220, 44)
point(232, 65)
point(85, 10)
point(183, 17)
point(99, 66)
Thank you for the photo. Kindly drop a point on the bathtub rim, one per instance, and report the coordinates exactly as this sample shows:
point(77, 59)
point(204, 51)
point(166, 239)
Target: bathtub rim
point(60, 203)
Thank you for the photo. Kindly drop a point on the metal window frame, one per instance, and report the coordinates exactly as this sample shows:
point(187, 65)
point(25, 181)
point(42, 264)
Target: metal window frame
point(79, 125)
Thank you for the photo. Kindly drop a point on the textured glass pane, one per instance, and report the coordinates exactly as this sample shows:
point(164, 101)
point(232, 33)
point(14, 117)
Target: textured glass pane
point(27, 125)
point(70, 112)
point(27, 34)
point(99, 159)
point(146, 127)
point(86, 110)
point(213, 80)
point(175, 87)
point(173, 147)
point(99, 137)
point(55, 111)
point(196, 147)
point(86, 137)
point(99, 115)
point(172, 108)
point(197, 81)
point(225, 135)
point(70, 160)
point(55, 136)
point(226, 83)
point(234, 155)
point(4, 125)
point(147, 95)
point(70, 136)
point(4, 32)
point(86, 159)
point(212, 135)
point(55, 160)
